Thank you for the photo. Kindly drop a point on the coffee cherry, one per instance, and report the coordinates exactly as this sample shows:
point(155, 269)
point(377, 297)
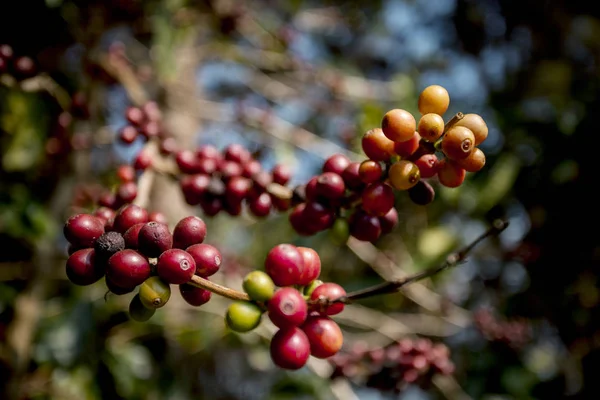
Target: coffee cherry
point(477, 125)
point(154, 293)
point(128, 216)
point(377, 146)
point(337, 163)
point(318, 216)
point(378, 198)
point(126, 173)
point(431, 127)
point(428, 165)
point(450, 174)
point(194, 187)
point(208, 151)
point(142, 161)
point(312, 265)
point(290, 348)
point(105, 214)
point(189, 231)
point(330, 185)
point(237, 153)
point(138, 312)
point(193, 295)
point(325, 336)
point(281, 174)
point(364, 226)
point(422, 193)
point(409, 147)
point(108, 244)
point(261, 205)
point(389, 221)
point(284, 264)
point(176, 266)
point(131, 236)
point(134, 115)
point(187, 161)
point(207, 258)
point(370, 171)
point(404, 174)
point(458, 143)
point(351, 176)
point(259, 286)
point(128, 134)
point(24, 67)
point(128, 268)
point(300, 223)
point(159, 217)
point(398, 125)
point(126, 192)
point(434, 99)
point(154, 238)
point(83, 269)
point(243, 316)
point(114, 289)
point(82, 230)
point(287, 307)
point(329, 291)
point(474, 162)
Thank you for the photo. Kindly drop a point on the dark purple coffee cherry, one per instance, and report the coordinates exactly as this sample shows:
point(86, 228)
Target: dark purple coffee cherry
point(154, 238)
point(189, 231)
point(128, 268)
point(82, 230)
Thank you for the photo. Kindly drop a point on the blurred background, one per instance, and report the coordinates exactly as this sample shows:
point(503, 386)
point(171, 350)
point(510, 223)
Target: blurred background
point(295, 82)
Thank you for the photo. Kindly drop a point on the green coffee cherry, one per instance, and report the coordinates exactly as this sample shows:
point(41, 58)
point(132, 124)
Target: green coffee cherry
point(154, 293)
point(138, 312)
point(340, 231)
point(259, 286)
point(308, 289)
point(243, 316)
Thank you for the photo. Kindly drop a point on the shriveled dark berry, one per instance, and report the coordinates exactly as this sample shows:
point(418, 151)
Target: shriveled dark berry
point(108, 244)
point(82, 230)
point(154, 238)
point(176, 266)
point(189, 231)
point(128, 268)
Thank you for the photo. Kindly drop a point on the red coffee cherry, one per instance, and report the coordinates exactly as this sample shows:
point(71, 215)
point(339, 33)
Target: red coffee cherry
point(114, 289)
point(237, 153)
point(82, 230)
point(409, 147)
point(450, 174)
point(128, 268)
point(351, 176)
point(134, 115)
point(131, 236)
point(378, 198)
point(82, 268)
point(105, 214)
point(176, 266)
point(128, 134)
point(377, 146)
point(154, 238)
point(427, 164)
point(330, 185)
point(128, 216)
point(157, 216)
point(365, 227)
point(398, 125)
point(281, 174)
point(207, 258)
point(285, 265)
point(261, 205)
point(287, 307)
point(337, 163)
point(126, 173)
point(389, 221)
point(325, 336)
point(330, 291)
point(193, 295)
point(290, 348)
point(126, 192)
point(189, 231)
point(312, 265)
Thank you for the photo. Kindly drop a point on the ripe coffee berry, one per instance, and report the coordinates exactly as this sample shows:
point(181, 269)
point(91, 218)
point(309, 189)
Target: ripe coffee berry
point(325, 336)
point(176, 266)
point(82, 230)
point(290, 348)
point(131, 236)
point(287, 307)
point(377, 146)
point(193, 295)
point(398, 125)
point(422, 193)
point(474, 162)
point(154, 238)
point(285, 265)
point(82, 268)
point(114, 289)
point(128, 268)
point(312, 265)
point(378, 198)
point(328, 291)
point(477, 125)
point(450, 174)
point(189, 231)
point(458, 143)
point(337, 163)
point(208, 259)
point(129, 215)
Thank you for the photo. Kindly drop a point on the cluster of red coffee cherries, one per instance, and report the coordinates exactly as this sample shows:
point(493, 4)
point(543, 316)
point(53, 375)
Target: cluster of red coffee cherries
point(393, 367)
point(515, 333)
point(296, 302)
point(133, 249)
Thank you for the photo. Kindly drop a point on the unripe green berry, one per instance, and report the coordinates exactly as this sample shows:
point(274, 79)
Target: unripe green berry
point(311, 287)
point(154, 292)
point(138, 312)
point(243, 316)
point(259, 286)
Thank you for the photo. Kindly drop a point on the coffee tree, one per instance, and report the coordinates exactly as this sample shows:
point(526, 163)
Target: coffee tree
point(151, 188)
